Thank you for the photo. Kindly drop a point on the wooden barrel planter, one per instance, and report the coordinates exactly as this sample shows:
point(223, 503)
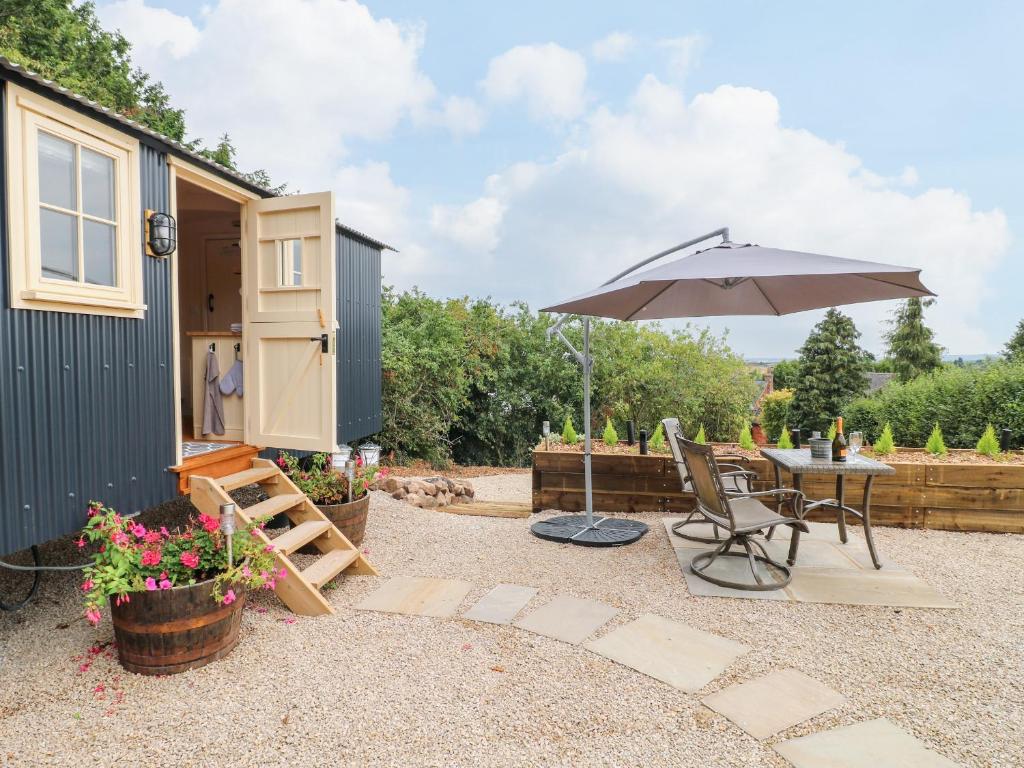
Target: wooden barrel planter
point(167, 631)
point(350, 518)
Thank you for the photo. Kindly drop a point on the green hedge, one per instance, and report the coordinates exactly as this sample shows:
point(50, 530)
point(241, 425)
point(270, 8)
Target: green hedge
point(775, 413)
point(962, 400)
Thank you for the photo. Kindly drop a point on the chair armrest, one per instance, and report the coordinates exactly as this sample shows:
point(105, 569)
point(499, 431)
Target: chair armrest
point(774, 492)
point(732, 457)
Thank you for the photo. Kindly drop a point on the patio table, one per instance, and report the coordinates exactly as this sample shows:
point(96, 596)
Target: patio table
point(799, 462)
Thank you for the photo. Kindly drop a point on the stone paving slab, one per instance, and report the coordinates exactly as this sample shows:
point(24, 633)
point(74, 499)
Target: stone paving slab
point(417, 596)
point(871, 744)
point(568, 619)
point(501, 604)
point(670, 651)
point(812, 553)
point(861, 587)
point(731, 568)
point(771, 704)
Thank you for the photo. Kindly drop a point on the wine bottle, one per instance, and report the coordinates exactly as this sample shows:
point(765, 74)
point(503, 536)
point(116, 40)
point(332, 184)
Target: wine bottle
point(839, 442)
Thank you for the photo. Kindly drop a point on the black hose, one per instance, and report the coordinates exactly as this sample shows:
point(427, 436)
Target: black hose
point(37, 574)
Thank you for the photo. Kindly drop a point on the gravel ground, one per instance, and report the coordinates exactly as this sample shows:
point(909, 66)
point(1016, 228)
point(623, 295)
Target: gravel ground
point(375, 689)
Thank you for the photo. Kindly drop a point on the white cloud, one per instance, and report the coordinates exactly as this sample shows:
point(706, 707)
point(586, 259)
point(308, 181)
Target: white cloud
point(157, 33)
point(473, 226)
point(461, 115)
point(613, 47)
point(683, 54)
point(550, 79)
point(663, 170)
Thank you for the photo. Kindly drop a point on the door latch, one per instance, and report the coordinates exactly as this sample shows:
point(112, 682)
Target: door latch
point(324, 343)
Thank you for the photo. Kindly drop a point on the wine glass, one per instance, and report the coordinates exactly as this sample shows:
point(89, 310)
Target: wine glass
point(856, 441)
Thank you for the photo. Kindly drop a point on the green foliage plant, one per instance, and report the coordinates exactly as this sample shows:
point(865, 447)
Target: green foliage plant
point(322, 483)
point(657, 441)
point(1014, 349)
point(988, 445)
point(910, 342)
point(746, 439)
point(832, 430)
point(885, 444)
point(936, 445)
point(775, 411)
point(784, 439)
point(569, 436)
point(701, 438)
point(610, 436)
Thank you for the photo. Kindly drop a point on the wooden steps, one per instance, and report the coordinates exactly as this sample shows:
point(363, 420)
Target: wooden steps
point(300, 589)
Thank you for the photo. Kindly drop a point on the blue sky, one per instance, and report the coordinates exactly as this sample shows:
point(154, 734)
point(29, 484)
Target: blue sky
point(899, 119)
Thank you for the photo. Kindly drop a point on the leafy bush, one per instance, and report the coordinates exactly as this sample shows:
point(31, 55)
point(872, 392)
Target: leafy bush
point(775, 411)
point(569, 436)
point(610, 437)
point(701, 437)
point(785, 374)
point(657, 441)
point(936, 445)
point(832, 430)
point(961, 398)
point(988, 445)
point(746, 440)
point(884, 445)
point(784, 441)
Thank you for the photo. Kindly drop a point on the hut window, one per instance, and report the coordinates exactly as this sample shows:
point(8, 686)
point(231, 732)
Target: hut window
point(290, 252)
point(74, 207)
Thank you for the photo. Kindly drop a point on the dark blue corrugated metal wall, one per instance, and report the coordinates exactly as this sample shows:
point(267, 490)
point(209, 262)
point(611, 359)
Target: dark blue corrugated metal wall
point(86, 402)
point(359, 384)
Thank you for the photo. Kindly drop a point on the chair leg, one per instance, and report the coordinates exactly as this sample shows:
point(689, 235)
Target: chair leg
point(794, 542)
point(677, 529)
point(703, 561)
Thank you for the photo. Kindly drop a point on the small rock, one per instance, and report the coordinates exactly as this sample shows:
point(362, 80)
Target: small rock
point(400, 493)
point(391, 484)
point(429, 502)
point(415, 499)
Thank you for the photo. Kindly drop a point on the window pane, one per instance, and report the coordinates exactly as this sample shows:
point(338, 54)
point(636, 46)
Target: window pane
point(291, 262)
point(98, 240)
point(57, 171)
point(58, 234)
point(97, 184)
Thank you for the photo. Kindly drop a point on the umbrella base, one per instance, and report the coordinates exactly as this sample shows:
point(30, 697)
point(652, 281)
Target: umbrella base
point(605, 532)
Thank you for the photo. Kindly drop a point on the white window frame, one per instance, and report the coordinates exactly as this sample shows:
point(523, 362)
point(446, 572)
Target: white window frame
point(27, 115)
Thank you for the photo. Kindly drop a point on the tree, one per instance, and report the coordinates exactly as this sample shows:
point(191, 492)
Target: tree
point(785, 374)
point(1014, 350)
point(910, 342)
point(831, 373)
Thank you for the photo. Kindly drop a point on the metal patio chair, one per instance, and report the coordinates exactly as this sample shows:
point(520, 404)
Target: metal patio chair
point(742, 516)
point(738, 480)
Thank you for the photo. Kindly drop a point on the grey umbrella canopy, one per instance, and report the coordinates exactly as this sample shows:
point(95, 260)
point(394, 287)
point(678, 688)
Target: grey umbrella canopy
point(732, 279)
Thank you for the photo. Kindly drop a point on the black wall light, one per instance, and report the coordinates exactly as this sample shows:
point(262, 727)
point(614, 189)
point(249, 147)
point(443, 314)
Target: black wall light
point(161, 233)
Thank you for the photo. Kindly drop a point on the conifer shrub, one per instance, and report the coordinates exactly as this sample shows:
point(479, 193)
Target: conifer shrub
point(701, 437)
point(885, 444)
point(657, 441)
point(610, 436)
point(569, 436)
point(784, 439)
point(988, 445)
point(831, 435)
point(746, 439)
point(936, 445)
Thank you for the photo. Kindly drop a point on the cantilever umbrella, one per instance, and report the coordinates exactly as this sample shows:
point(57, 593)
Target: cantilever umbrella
point(726, 279)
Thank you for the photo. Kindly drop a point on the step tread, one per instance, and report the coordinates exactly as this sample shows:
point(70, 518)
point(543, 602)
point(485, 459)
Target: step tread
point(329, 566)
point(275, 505)
point(300, 535)
point(248, 477)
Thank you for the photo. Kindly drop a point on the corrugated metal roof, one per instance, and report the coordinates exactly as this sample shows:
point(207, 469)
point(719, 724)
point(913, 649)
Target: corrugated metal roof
point(171, 144)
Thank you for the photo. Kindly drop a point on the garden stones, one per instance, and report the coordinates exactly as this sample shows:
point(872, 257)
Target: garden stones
point(430, 492)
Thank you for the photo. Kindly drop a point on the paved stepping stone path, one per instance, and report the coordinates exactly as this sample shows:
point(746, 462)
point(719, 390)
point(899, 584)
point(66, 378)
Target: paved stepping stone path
point(771, 704)
point(417, 596)
point(871, 744)
point(501, 604)
point(568, 619)
point(670, 651)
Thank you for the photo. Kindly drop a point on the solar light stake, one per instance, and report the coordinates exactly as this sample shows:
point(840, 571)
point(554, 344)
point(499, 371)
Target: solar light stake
point(227, 527)
point(545, 429)
point(630, 433)
point(643, 442)
point(1004, 441)
point(350, 474)
point(794, 436)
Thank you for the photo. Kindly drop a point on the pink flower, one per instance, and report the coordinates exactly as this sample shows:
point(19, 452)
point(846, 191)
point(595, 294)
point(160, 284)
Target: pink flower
point(87, 585)
point(153, 537)
point(93, 615)
point(121, 539)
point(281, 462)
point(282, 573)
point(189, 559)
point(139, 530)
point(164, 532)
point(288, 619)
point(151, 584)
point(80, 542)
point(165, 584)
point(151, 557)
point(122, 599)
point(271, 584)
point(210, 524)
point(268, 548)
point(246, 572)
point(229, 597)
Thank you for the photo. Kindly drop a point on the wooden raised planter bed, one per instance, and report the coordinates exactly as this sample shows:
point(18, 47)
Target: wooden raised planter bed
point(952, 497)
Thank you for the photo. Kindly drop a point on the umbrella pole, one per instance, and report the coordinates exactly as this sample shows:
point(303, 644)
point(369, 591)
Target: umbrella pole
point(588, 479)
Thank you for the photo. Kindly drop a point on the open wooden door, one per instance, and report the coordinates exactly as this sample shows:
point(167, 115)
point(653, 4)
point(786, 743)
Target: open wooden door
point(289, 322)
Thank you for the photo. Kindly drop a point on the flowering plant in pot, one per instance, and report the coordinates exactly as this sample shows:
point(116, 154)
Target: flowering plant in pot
point(328, 488)
point(155, 577)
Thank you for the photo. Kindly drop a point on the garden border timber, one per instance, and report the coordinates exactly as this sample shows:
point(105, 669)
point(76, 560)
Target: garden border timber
point(952, 497)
